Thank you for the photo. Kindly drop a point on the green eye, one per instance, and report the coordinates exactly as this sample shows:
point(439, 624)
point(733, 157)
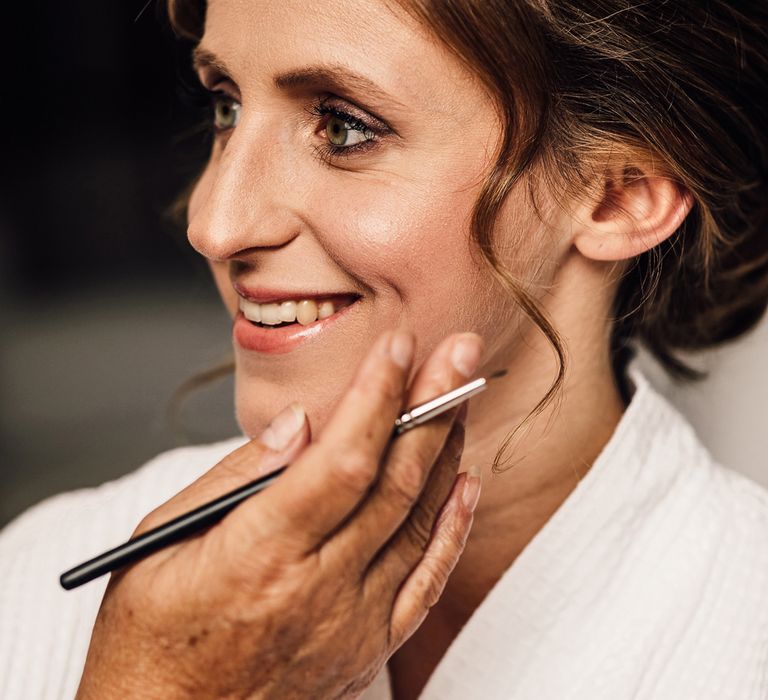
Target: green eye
point(339, 131)
point(344, 132)
point(226, 113)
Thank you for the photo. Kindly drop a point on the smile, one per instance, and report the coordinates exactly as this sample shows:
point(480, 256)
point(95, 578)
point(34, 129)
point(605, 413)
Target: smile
point(303, 311)
point(279, 327)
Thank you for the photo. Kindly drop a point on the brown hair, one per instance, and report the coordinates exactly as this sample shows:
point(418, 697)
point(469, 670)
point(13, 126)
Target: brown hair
point(684, 83)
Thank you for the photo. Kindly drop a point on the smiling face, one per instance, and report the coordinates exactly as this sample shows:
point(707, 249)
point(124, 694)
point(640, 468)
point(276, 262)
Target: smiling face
point(387, 219)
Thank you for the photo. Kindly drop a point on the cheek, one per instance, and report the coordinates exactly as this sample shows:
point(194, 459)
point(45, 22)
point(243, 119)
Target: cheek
point(410, 243)
point(411, 253)
point(406, 241)
point(401, 240)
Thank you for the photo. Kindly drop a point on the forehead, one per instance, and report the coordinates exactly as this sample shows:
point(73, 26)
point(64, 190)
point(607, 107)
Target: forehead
point(374, 38)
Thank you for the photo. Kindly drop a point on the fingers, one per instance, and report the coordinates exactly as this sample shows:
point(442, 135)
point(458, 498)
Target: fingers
point(423, 588)
point(417, 456)
point(247, 463)
point(406, 547)
point(334, 474)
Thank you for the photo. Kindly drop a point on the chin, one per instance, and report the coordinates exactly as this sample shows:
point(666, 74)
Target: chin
point(314, 370)
point(259, 400)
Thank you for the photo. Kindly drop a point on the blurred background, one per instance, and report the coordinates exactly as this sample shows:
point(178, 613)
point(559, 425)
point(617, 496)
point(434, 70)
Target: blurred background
point(105, 309)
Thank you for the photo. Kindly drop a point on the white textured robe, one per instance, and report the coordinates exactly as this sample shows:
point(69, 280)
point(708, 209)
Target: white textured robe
point(649, 582)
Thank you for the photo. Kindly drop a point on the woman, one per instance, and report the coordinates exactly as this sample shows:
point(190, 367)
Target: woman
point(429, 192)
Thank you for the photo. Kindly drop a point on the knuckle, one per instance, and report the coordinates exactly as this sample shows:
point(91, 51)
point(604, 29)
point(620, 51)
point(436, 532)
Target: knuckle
point(430, 587)
point(419, 527)
point(453, 530)
point(353, 470)
point(405, 481)
point(258, 573)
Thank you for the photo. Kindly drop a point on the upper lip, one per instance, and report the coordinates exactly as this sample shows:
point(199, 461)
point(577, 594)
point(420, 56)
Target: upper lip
point(264, 295)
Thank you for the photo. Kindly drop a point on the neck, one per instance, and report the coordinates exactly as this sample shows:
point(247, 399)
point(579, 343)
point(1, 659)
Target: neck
point(547, 457)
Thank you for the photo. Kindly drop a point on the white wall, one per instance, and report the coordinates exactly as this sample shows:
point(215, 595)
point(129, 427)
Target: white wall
point(729, 409)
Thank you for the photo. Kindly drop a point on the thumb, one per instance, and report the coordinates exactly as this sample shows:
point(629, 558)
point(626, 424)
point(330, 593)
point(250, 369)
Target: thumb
point(257, 457)
point(280, 443)
point(284, 426)
point(285, 437)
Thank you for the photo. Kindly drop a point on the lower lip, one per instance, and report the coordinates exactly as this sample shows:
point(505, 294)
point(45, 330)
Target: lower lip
point(276, 341)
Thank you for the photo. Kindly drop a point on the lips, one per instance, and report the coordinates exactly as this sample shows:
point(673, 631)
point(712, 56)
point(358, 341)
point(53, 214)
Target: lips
point(266, 295)
point(284, 338)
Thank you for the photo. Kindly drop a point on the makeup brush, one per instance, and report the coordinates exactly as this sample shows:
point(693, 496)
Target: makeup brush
point(213, 511)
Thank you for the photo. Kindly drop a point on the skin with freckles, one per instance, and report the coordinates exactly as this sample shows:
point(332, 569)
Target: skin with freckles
point(383, 224)
point(391, 222)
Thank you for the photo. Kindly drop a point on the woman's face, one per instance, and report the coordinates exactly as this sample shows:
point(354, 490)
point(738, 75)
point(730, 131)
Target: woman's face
point(278, 215)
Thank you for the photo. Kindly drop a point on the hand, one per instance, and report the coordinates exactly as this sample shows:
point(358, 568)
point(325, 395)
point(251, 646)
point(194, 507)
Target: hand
point(307, 588)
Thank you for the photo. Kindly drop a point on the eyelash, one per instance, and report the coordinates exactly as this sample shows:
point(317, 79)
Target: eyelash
point(197, 95)
point(329, 150)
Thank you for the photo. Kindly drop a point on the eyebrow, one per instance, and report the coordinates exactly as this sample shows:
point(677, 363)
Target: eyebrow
point(333, 75)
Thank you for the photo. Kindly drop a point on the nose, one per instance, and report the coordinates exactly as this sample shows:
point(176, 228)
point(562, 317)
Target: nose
point(241, 201)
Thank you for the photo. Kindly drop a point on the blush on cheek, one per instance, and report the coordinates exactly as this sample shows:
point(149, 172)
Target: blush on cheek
point(399, 235)
point(382, 239)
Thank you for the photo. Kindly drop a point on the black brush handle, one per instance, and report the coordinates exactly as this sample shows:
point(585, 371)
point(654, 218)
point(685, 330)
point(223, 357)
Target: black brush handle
point(165, 534)
point(213, 511)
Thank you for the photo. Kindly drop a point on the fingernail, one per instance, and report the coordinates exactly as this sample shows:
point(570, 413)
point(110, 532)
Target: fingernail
point(471, 494)
point(283, 427)
point(401, 348)
point(465, 356)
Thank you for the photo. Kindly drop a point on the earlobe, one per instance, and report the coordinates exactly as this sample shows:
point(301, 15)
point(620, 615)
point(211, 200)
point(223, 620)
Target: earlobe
point(635, 212)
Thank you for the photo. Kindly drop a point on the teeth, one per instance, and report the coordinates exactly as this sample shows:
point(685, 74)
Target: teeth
point(288, 311)
point(325, 309)
point(270, 314)
point(305, 311)
point(250, 310)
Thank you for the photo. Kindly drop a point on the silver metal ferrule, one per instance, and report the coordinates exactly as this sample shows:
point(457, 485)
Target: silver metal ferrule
point(440, 404)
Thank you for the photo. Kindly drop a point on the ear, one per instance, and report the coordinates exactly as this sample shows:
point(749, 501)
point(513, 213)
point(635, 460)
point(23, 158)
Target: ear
point(634, 211)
